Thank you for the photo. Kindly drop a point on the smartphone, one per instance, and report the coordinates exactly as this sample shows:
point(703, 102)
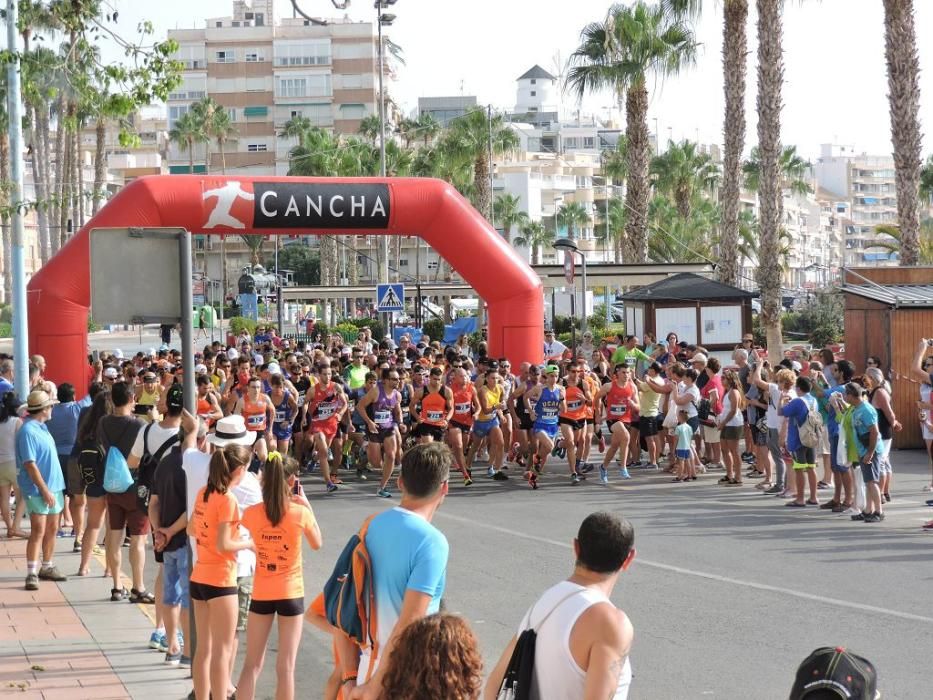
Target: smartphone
point(296, 487)
point(95, 355)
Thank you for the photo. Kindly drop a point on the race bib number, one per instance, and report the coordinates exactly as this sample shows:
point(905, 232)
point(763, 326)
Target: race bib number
point(255, 421)
point(382, 417)
point(549, 413)
point(325, 410)
point(574, 405)
point(617, 409)
point(463, 407)
point(280, 416)
point(435, 416)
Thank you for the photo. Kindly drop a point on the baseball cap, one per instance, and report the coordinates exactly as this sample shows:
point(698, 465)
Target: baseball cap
point(118, 353)
point(274, 368)
point(111, 373)
point(552, 369)
point(232, 354)
point(698, 357)
point(200, 369)
point(796, 366)
point(833, 669)
point(175, 399)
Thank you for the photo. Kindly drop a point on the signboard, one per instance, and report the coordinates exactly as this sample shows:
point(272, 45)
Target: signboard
point(197, 292)
point(568, 267)
point(281, 205)
point(390, 297)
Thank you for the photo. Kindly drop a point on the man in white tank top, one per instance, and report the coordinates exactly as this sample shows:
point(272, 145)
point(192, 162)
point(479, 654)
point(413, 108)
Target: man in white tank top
point(583, 640)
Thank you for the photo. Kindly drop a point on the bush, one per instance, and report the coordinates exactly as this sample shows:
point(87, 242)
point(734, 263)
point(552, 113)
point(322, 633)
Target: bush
point(434, 328)
point(820, 321)
point(6, 313)
point(565, 338)
point(91, 326)
point(6, 330)
point(561, 324)
point(240, 323)
point(373, 324)
point(347, 330)
point(475, 339)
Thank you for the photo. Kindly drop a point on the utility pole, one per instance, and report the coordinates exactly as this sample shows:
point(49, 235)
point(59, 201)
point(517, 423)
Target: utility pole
point(17, 249)
point(489, 164)
point(383, 240)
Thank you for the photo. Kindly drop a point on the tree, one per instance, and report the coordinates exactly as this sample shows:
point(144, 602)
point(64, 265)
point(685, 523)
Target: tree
point(468, 139)
point(222, 130)
point(632, 45)
point(615, 162)
point(427, 128)
point(792, 171)
point(186, 133)
point(506, 212)
point(304, 261)
point(896, 245)
point(616, 230)
point(734, 50)
point(673, 238)
point(900, 50)
point(770, 82)
point(254, 241)
point(682, 172)
point(926, 182)
point(535, 236)
point(370, 128)
point(571, 215)
point(205, 111)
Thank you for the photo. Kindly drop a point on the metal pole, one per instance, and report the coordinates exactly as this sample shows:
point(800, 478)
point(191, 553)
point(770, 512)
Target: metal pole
point(17, 250)
point(223, 285)
point(187, 321)
point(573, 316)
point(583, 318)
point(278, 287)
point(608, 236)
point(210, 287)
point(383, 241)
point(489, 163)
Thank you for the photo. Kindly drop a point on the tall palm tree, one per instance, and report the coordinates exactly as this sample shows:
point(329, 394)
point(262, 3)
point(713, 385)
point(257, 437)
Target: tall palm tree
point(792, 171)
point(615, 162)
point(535, 236)
point(682, 172)
point(571, 215)
point(673, 238)
point(896, 244)
point(926, 182)
point(295, 127)
point(748, 249)
point(900, 50)
point(770, 82)
point(734, 50)
point(468, 139)
point(614, 234)
point(205, 112)
point(370, 128)
point(506, 210)
point(187, 133)
point(427, 128)
point(221, 129)
point(631, 46)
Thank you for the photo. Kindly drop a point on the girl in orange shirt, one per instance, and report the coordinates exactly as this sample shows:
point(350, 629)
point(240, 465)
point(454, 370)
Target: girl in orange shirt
point(276, 526)
point(214, 527)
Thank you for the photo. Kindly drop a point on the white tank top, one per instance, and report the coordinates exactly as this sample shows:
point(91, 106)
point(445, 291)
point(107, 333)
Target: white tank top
point(737, 420)
point(557, 675)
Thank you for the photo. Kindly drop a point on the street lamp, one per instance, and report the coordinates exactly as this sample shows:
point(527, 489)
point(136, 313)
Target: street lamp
point(569, 246)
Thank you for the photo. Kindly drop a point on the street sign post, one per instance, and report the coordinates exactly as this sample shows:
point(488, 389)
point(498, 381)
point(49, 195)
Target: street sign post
point(569, 268)
point(390, 297)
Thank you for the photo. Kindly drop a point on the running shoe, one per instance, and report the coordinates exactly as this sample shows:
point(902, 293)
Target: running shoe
point(491, 472)
point(157, 640)
point(32, 582)
point(586, 467)
point(575, 479)
point(851, 510)
point(361, 475)
point(331, 487)
point(774, 490)
point(513, 453)
point(872, 518)
point(557, 443)
point(623, 472)
point(173, 659)
point(499, 476)
point(185, 662)
point(383, 493)
point(536, 463)
point(603, 475)
point(653, 466)
point(467, 481)
point(51, 573)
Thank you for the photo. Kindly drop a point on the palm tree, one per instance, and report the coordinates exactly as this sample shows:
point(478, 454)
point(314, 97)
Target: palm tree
point(791, 167)
point(427, 128)
point(507, 213)
point(633, 45)
point(205, 112)
point(896, 244)
point(926, 182)
point(187, 132)
point(571, 215)
point(295, 127)
point(535, 236)
point(747, 247)
point(469, 138)
point(900, 49)
point(254, 241)
point(682, 172)
point(221, 128)
point(370, 128)
point(616, 229)
point(770, 82)
point(673, 238)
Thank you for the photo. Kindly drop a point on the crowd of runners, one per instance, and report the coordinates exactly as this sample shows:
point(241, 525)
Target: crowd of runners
point(268, 409)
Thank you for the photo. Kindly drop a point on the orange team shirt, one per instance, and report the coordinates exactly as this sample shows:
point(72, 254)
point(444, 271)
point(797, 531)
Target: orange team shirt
point(593, 387)
point(278, 551)
point(213, 567)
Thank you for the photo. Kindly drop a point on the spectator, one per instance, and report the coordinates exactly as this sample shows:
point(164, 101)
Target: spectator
point(879, 393)
point(9, 426)
point(63, 426)
point(797, 411)
point(435, 657)
point(862, 427)
point(553, 348)
point(830, 673)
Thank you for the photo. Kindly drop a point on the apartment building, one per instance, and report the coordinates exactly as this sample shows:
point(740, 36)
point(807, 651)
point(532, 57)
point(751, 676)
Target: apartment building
point(446, 108)
point(867, 184)
point(266, 72)
point(126, 163)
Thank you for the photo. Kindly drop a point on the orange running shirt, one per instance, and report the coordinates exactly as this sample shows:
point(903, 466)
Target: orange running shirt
point(593, 387)
point(213, 567)
point(434, 408)
point(255, 414)
point(463, 405)
point(576, 405)
point(278, 551)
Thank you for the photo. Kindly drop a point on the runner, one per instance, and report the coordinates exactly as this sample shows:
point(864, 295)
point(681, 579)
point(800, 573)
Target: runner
point(208, 407)
point(572, 420)
point(619, 396)
point(148, 397)
point(466, 408)
point(432, 408)
point(509, 382)
point(521, 421)
point(326, 408)
point(589, 419)
point(258, 412)
point(487, 425)
point(286, 408)
point(380, 408)
point(544, 402)
point(277, 526)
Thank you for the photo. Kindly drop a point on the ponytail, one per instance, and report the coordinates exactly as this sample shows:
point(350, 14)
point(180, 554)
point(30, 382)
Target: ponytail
point(223, 463)
point(274, 488)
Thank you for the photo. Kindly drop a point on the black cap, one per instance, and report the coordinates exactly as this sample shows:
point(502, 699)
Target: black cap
point(838, 671)
point(175, 399)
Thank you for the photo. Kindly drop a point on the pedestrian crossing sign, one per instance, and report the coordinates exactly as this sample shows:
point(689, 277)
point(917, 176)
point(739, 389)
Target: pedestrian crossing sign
point(390, 297)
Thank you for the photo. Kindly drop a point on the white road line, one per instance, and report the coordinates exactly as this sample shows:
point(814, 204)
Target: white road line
point(709, 576)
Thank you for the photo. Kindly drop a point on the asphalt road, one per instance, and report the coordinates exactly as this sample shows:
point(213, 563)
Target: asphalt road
point(729, 592)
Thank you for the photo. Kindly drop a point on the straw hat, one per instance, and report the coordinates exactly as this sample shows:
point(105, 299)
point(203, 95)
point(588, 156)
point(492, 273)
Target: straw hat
point(37, 401)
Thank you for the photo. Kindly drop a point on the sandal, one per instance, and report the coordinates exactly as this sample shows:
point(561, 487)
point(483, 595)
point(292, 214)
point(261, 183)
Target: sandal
point(141, 597)
point(795, 504)
point(764, 485)
point(119, 594)
point(17, 534)
point(813, 503)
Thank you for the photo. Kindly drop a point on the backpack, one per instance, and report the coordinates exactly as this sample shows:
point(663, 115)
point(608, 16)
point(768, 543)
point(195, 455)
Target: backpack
point(810, 430)
point(117, 476)
point(91, 463)
point(349, 596)
point(147, 467)
point(516, 683)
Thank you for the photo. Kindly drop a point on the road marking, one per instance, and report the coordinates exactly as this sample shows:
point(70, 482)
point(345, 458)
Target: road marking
point(706, 575)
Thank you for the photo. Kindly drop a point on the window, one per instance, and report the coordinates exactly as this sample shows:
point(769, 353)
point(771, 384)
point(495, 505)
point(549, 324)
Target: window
point(534, 93)
point(534, 82)
point(260, 19)
point(235, 23)
point(589, 142)
point(293, 87)
point(352, 82)
point(256, 147)
point(352, 111)
point(257, 84)
point(175, 112)
point(232, 112)
point(303, 53)
point(296, 113)
point(228, 56)
point(218, 24)
point(255, 56)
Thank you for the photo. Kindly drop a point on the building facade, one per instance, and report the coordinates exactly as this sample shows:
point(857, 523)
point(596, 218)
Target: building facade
point(447, 108)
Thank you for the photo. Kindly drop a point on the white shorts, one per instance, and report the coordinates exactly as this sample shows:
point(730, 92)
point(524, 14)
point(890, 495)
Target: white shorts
point(927, 435)
point(824, 443)
point(710, 434)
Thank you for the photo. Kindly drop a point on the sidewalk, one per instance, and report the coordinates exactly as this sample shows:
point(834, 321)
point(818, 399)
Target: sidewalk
point(69, 640)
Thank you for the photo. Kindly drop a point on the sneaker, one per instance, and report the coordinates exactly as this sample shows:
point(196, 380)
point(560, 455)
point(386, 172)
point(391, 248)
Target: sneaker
point(872, 518)
point(51, 573)
point(574, 478)
point(852, 510)
point(748, 457)
point(173, 659)
point(887, 497)
point(603, 475)
point(126, 541)
point(491, 472)
point(185, 662)
point(467, 481)
point(623, 472)
point(653, 466)
point(774, 490)
point(587, 468)
point(32, 582)
point(361, 475)
point(331, 487)
point(838, 508)
point(157, 640)
point(859, 516)
point(383, 493)
point(499, 476)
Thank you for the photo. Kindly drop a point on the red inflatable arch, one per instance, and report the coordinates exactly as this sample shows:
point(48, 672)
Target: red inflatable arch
point(59, 294)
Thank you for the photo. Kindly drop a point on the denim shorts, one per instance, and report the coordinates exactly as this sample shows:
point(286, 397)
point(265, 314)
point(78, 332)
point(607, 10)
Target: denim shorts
point(872, 470)
point(175, 578)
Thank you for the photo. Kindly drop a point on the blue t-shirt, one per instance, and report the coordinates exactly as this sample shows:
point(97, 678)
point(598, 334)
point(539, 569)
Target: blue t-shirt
point(63, 425)
point(863, 417)
point(34, 443)
point(407, 553)
point(5, 387)
point(797, 411)
point(832, 424)
point(684, 434)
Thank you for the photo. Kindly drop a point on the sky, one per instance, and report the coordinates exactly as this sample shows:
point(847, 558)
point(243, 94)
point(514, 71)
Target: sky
point(835, 81)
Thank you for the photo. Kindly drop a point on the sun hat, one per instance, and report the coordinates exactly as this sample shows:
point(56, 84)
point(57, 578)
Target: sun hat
point(36, 401)
point(231, 430)
point(274, 368)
